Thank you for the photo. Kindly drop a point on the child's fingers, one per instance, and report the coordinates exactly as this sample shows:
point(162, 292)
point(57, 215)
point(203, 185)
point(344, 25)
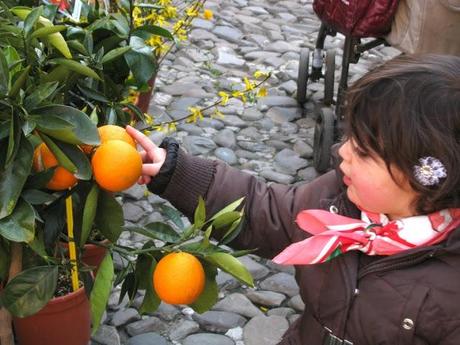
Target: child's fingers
point(151, 169)
point(141, 139)
point(144, 179)
point(144, 156)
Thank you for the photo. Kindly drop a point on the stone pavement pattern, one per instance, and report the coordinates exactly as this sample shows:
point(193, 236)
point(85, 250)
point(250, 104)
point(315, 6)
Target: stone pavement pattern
point(271, 139)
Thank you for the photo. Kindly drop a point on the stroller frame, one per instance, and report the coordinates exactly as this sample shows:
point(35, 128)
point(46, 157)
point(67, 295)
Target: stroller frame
point(329, 123)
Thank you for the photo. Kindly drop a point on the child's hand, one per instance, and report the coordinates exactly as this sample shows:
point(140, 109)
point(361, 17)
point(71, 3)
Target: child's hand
point(153, 157)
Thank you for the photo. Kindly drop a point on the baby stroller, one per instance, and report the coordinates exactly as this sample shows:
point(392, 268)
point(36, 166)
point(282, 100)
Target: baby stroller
point(356, 19)
point(409, 25)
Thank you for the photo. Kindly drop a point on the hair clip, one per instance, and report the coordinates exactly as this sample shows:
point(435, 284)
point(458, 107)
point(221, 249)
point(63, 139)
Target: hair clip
point(430, 171)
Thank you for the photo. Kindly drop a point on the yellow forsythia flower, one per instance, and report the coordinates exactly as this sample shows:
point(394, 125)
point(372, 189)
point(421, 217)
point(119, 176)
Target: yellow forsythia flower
point(191, 12)
point(195, 114)
point(208, 15)
point(148, 119)
point(217, 114)
point(249, 85)
point(240, 95)
point(170, 12)
point(223, 97)
point(262, 92)
point(172, 127)
point(259, 74)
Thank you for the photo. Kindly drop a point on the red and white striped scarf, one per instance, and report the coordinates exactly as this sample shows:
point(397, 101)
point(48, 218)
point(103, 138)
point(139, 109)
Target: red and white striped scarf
point(374, 234)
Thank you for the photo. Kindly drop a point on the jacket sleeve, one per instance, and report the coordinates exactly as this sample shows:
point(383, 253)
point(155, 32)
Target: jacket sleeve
point(270, 209)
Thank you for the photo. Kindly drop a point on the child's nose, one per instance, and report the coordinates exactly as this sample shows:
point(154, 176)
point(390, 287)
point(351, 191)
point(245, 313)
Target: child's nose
point(344, 150)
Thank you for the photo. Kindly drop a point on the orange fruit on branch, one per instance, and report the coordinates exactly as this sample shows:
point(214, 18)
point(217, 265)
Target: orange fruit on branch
point(116, 165)
point(110, 132)
point(179, 278)
point(45, 159)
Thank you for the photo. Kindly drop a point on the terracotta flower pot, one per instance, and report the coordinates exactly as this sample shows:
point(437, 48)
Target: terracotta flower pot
point(143, 100)
point(64, 320)
point(94, 254)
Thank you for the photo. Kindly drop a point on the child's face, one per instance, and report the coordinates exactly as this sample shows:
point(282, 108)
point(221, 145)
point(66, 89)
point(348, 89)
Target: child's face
point(370, 185)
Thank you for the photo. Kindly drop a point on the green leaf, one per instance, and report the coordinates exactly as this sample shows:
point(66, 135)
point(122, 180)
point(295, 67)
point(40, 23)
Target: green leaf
point(84, 131)
point(140, 60)
point(115, 54)
point(142, 271)
point(19, 226)
point(19, 82)
point(112, 116)
point(146, 31)
point(109, 216)
point(56, 39)
point(78, 158)
point(51, 123)
point(89, 213)
point(37, 197)
point(226, 219)
point(58, 73)
point(76, 67)
point(101, 291)
point(200, 213)
point(233, 232)
point(136, 111)
point(243, 252)
point(14, 176)
point(232, 266)
point(4, 260)
point(13, 60)
point(41, 93)
point(14, 139)
point(229, 208)
point(40, 180)
point(151, 300)
point(157, 230)
point(30, 290)
point(61, 157)
point(74, 44)
point(128, 287)
point(120, 22)
point(173, 215)
point(4, 75)
point(47, 30)
point(31, 20)
point(54, 219)
point(92, 93)
point(38, 245)
point(209, 295)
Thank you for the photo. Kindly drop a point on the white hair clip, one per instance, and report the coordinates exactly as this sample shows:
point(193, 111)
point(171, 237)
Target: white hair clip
point(429, 171)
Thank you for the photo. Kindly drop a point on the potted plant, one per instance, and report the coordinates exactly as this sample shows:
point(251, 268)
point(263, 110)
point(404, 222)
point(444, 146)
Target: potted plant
point(57, 83)
point(55, 88)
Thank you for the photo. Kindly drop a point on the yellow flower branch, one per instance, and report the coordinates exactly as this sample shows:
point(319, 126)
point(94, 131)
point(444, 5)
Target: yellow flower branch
point(196, 113)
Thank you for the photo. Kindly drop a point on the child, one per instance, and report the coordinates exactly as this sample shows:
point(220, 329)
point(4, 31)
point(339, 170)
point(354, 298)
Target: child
point(381, 264)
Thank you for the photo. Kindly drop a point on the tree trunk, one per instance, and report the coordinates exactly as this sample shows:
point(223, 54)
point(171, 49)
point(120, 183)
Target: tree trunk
point(6, 328)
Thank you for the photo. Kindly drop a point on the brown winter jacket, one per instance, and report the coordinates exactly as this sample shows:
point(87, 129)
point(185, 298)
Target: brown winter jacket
point(408, 298)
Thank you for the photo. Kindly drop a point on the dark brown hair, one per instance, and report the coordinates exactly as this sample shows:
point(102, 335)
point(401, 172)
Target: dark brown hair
point(407, 109)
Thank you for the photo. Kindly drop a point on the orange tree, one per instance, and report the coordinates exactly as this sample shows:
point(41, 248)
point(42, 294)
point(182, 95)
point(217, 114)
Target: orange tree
point(57, 83)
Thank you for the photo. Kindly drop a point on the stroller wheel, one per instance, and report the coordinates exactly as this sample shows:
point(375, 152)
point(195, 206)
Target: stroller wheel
point(302, 77)
point(329, 77)
point(323, 139)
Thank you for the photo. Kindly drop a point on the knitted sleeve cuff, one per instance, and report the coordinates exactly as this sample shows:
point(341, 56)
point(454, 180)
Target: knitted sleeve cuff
point(159, 183)
point(191, 179)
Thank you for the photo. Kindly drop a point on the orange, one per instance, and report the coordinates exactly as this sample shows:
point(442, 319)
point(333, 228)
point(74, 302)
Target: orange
point(116, 165)
point(179, 278)
point(110, 132)
point(45, 159)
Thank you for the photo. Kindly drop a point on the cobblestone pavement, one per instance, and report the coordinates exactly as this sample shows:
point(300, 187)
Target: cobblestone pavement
point(271, 139)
